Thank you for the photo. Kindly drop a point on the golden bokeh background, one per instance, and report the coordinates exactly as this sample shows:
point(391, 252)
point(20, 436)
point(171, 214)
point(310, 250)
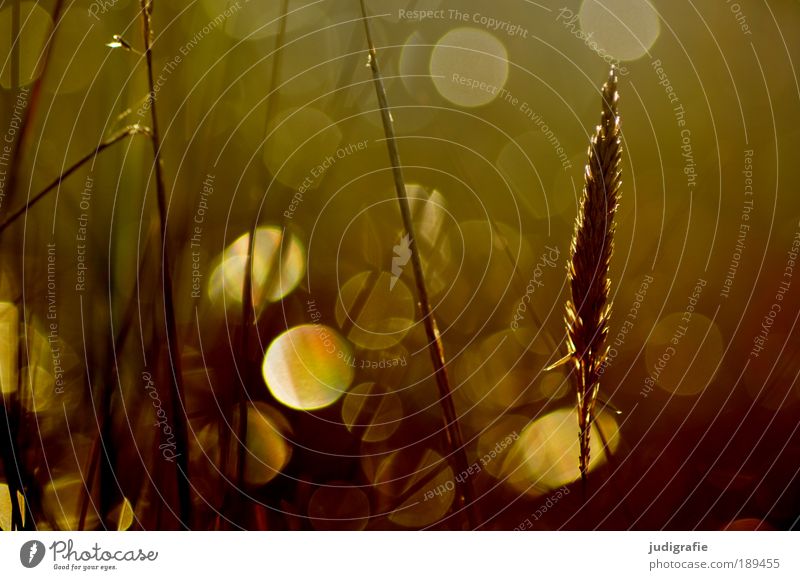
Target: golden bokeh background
point(312, 403)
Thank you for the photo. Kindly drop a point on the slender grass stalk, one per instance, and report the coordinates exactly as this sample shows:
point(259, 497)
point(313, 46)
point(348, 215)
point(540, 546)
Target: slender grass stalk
point(249, 314)
point(12, 415)
point(520, 282)
point(589, 309)
point(105, 398)
point(464, 493)
point(113, 140)
point(11, 412)
point(103, 441)
point(14, 216)
point(33, 101)
point(86, 492)
point(110, 490)
point(176, 391)
point(15, 43)
point(11, 459)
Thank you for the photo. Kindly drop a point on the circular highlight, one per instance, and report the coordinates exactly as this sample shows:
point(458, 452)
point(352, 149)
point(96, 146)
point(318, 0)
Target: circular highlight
point(278, 267)
point(421, 478)
point(372, 411)
point(545, 456)
point(469, 67)
point(377, 309)
point(35, 26)
point(623, 29)
point(267, 450)
point(308, 367)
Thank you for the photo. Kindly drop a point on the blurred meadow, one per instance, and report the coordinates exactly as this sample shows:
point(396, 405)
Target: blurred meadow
point(234, 340)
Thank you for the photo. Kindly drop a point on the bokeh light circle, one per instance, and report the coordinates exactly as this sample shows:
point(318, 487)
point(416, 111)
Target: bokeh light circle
point(624, 29)
point(377, 309)
point(469, 67)
point(34, 30)
point(278, 266)
point(545, 456)
point(267, 451)
point(308, 367)
point(372, 411)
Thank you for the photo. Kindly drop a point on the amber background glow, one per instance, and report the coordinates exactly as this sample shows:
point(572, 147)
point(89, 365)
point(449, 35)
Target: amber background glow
point(324, 412)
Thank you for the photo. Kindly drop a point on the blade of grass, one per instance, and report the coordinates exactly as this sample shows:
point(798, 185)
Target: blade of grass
point(113, 140)
point(25, 123)
point(11, 460)
point(11, 408)
point(249, 315)
point(466, 169)
point(104, 441)
point(176, 384)
point(11, 413)
point(15, 40)
point(464, 494)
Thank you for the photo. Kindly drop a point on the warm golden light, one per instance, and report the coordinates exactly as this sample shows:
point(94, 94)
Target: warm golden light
point(372, 411)
point(6, 508)
point(376, 308)
point(9, 345)
point(267, 450)
point(278, 266)
point(301, 147)
point(36, 26)
point(308, 367)
point(469, 67)
point(546, 455)
point(625, 29)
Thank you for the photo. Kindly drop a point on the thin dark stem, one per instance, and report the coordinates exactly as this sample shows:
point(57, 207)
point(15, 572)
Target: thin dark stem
point(106, 446)
point(113, 140)
point(248, 319)
point(15, 42)
point(455, 443)
point(90, 471)
point(249, 316)
point(33, 100)
point(176, 392)
point(275, 73)
point(12, 459)
point(11, 462)
point(107, 478)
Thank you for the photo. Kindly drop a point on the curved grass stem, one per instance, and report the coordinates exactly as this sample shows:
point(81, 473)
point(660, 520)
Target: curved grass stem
point(176, 384)
point(113, 140)
point(464, 493)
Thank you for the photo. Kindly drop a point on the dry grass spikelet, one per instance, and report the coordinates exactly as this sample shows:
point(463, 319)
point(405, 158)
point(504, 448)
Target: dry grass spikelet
point(589, 308)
